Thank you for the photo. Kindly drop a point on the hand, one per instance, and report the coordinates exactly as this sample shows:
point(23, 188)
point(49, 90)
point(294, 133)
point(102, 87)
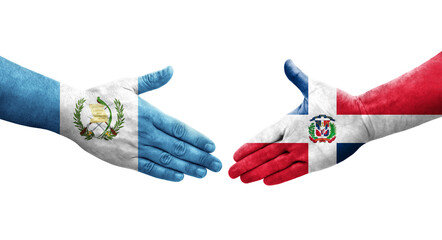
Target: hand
point(112, 123)
point(312, 137)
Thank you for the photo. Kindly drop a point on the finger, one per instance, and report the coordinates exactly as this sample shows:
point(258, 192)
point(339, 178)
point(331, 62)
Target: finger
point(186, 151)
point(293, 171)
point(154, 80)
point(248, 149)
point(279, 163)
point(177, 129)
point(167, 160)
point(296, 76)
point(269, 135)
point(255, 159)
point(150, 168)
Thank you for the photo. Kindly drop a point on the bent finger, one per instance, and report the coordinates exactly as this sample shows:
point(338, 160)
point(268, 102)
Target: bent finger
point(255, 159)
point(180, 130)
point(279, 163)
point(187, 152)
point(150, 168)
point(167, 160)
point(294, 171)
point(269, 135)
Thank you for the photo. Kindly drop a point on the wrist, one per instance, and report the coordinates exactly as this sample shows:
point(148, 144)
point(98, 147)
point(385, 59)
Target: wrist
point(353, 107)
point(69, 99)
point(366, 119)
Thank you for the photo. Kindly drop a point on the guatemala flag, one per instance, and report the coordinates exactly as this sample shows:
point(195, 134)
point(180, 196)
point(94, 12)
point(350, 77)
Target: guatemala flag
point(110, 121)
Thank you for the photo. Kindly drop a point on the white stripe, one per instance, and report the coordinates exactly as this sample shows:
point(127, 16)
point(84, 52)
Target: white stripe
point(349, 128)
point(322, 100)
point(123, 149)
point(321, 155)
point(384, 125)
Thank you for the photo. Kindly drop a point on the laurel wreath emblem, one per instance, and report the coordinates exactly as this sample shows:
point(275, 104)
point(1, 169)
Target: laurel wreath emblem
point(109, 134)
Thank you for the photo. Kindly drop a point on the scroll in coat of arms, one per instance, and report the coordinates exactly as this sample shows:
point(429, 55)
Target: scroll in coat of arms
point(98, 113)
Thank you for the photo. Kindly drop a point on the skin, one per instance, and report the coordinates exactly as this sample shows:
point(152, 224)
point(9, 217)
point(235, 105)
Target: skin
point(110, 113)
point(283, 152)
point(161, 146)
point(271, 157)
point(150, 142)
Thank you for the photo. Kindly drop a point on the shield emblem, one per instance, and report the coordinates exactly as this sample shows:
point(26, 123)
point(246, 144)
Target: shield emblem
point(322, 129)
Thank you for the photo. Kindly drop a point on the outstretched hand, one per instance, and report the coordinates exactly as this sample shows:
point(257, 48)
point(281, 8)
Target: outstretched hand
point(114, 124)
point(310, 138)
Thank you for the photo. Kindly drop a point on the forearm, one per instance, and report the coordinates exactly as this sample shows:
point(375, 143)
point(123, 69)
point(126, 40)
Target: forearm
point(403, 103)
point(418, 92)
point(28, 98)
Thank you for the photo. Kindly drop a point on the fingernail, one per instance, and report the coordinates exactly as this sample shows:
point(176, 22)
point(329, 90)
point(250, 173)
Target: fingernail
point(179, 176)
point(201, 172)
point(216, 166)
point(209, 147)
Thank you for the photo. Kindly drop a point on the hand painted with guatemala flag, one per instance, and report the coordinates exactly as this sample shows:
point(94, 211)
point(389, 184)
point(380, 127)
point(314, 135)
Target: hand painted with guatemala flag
point(330, 125)
point(110, 122)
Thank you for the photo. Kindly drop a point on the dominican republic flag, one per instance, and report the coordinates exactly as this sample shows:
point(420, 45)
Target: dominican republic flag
point(330, 125)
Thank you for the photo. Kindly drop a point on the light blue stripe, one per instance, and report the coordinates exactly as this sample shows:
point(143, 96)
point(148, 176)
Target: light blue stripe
point(28, 98)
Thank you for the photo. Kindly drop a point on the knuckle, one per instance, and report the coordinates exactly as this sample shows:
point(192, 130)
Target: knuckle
point(203, 159)
point(146, 136)
point(165, 158)
point(158, 121)
point(148, 81)
point(197, 141)
point(179, 130)
point(179, 148)
point(169, 174)
point(147, 167)
point(187, 167)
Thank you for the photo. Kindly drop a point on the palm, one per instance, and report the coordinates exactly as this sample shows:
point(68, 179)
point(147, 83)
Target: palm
point(289, 149)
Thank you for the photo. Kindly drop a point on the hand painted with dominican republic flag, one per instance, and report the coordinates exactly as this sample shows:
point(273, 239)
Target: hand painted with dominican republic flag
point(330, 125)
point(111, 121)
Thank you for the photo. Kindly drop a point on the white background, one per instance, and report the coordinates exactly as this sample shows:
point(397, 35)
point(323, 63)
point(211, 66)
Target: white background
point(229, 84)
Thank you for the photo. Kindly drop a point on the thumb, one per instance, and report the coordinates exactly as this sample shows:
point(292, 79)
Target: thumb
point(154, 80)
point(296, 76)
